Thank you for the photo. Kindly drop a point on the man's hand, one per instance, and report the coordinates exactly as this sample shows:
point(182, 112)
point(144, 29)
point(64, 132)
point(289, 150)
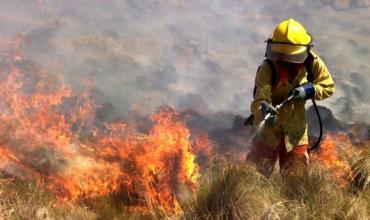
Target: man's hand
point(304, 92)
point(269, 110)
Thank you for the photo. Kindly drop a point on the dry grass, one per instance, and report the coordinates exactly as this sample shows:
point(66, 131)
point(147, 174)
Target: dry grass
point(227, 191)
point(360, 161)
point(231, 191)
point(22, 200)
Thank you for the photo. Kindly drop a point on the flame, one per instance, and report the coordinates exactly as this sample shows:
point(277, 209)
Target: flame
point(53, 131)
point(329, 157)
point(203, 144)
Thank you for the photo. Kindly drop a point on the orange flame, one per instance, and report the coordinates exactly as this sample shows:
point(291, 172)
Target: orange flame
point(329, 157)
point(82, 159)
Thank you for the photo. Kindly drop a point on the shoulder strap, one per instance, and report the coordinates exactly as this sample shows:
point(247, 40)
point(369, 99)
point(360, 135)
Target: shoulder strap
point(274, 75)
point(308, 65)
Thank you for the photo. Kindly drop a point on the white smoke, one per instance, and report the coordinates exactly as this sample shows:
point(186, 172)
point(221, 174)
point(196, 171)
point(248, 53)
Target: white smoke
point(191, 54)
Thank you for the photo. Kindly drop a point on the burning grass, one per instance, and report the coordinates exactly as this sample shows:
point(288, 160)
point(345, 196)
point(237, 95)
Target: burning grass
point(227, 190)
point(51, 135)
point(66, 163)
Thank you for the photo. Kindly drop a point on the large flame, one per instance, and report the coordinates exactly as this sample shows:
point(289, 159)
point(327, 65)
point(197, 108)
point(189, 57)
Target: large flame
point(54, 134)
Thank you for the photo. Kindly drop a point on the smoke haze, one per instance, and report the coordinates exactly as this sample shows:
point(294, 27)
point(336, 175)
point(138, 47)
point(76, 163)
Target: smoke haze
point(193, 54)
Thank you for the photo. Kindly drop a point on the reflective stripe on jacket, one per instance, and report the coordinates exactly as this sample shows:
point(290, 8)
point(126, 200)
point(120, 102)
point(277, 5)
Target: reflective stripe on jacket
point(292, 124)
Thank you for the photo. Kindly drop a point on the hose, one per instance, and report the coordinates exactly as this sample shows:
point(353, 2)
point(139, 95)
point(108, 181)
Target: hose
point(320, 123)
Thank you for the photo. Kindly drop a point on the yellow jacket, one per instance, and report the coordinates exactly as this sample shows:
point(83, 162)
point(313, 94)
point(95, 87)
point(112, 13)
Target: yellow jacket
point(292, 124)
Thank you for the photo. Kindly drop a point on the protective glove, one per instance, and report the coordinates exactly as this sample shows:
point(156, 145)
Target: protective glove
point(304, 92)
point(266, 109)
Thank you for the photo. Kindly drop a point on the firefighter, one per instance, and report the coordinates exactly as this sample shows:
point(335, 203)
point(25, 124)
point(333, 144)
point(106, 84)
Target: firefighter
point(284, 139)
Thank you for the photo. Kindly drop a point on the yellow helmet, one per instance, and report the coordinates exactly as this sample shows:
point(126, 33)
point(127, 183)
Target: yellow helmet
point(289, 42)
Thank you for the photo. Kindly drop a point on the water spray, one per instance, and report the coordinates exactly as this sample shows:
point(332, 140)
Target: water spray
point(276, 108)
point(261, 125)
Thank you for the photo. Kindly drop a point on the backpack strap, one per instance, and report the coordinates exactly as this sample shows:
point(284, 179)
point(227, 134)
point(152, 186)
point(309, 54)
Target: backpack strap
point(274, 75)
point(274, 78)
point(308, 65)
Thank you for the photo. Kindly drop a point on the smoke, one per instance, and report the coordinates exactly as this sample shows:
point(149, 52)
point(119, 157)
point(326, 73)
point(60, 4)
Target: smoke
point(79, 80)
point(198, 55)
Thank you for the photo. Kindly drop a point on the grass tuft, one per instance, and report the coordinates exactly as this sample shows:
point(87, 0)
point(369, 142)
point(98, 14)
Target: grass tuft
point(360, 162)
point(232, 191)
